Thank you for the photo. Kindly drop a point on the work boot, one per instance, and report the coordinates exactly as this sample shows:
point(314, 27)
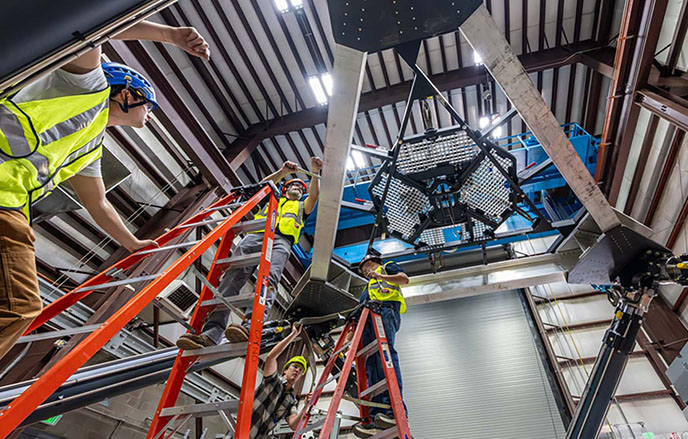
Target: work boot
point(384, 421)
point(236, 333)
point(188, 342)
point(364, 431)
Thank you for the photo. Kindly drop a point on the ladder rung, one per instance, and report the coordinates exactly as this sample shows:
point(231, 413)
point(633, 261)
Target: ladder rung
point(368, 350)
point(249, 226)
point(118, 282)
point(375, 389)
point(226, 206)
point(244, 226)
point(329, 380)
point(202, 223)
point(58, 334)
point(168, 247)
point(241, 261)
point(201, 410)
point(238, 301)
point(225, 350)
point(386, 434)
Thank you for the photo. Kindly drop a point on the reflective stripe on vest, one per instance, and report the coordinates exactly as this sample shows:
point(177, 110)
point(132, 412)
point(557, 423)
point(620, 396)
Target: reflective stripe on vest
point(289, 223)
point(44, 142)
point(385, 291)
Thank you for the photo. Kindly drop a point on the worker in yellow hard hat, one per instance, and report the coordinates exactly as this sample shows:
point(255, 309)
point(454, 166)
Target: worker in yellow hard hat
point(292, 212)
point(275, 398)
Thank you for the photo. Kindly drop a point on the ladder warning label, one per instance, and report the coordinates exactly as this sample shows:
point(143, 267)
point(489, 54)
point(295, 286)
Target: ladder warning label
point(268, 250)
point(388, 356)
point(263, 294)
point(380, 326)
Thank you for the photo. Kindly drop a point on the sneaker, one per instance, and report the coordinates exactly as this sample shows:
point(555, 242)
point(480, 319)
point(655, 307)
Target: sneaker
point(364, 431)
point(384, 421)
point(236, 333)
point(189, 342)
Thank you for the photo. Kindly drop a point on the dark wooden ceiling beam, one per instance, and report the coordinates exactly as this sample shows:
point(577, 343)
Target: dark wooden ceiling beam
point(463, 77)
point(208, 79)
point(178, 119)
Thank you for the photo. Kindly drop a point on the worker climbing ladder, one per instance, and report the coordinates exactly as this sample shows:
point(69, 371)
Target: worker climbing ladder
point(366, 391)
point(12, 415)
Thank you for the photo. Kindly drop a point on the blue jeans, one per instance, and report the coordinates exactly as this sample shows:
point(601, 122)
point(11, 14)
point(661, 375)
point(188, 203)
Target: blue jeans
point(391, 320)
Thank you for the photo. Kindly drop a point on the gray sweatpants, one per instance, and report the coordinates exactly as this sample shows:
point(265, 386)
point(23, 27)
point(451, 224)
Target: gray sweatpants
point(232, 281)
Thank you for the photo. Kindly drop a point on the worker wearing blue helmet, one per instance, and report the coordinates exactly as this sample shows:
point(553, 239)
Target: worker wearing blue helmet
point(53, 130)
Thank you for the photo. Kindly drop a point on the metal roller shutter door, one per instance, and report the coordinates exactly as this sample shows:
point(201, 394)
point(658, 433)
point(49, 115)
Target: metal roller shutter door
point(471, 369)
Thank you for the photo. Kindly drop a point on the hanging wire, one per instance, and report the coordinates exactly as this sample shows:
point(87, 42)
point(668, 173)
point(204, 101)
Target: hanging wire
point(81, 263)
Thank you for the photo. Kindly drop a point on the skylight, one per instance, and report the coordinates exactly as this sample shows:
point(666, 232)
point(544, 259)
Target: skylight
point(283, 5)
point(355, 161)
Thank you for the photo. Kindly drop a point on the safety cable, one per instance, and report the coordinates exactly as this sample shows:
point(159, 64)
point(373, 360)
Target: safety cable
point(81, 263)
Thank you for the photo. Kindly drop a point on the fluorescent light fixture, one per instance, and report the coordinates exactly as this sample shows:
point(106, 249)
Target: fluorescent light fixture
point(326, 79)
point(318, 91)
point(477, 58)
point(282, 5)
point(350, 166)
point(297, 3)
point(484, 121)
point(496, 133)
point(355, 161)
point(321, 86)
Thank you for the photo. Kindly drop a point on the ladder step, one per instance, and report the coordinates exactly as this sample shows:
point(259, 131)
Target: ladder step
point(226, 206)
point(249, 226)
point(241, 261)
point(375, 389)
point(244, 226)
point(241, 301)
point(386, 434)
point(225, 350)
point(58, 334)
point(368, 350)
point(201, 410)
point(132, 280)
point(168, 247)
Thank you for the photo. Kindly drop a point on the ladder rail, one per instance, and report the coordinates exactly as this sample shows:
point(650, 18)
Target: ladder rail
point(346, 370)
point(64, 302)
point(390, 376)
point(322, 382)
point(248, 383)
point(20, 408)
point(182, 363)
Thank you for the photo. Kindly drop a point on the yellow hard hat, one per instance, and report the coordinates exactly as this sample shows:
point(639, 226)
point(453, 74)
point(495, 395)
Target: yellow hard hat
point(300, 360)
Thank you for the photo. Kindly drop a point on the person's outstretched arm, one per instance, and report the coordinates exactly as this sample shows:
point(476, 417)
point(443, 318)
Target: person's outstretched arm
point(314, 189)
point(91, 193)
point(270, 366)
point(186, 38)
point(286, 169)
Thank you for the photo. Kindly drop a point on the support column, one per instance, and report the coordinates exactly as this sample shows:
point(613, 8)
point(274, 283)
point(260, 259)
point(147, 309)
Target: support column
point(503, 65)
point(349, 66)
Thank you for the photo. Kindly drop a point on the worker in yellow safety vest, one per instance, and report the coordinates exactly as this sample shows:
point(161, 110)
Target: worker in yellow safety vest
point(291, 214)
point(384, 286)
point(53, 130)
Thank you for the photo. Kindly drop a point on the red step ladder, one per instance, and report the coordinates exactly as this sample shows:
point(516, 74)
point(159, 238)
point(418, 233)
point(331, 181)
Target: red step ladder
point(366, 390)
point(12, 415)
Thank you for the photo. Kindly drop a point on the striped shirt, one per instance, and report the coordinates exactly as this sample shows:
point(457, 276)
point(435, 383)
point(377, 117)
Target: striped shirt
point(271, 404)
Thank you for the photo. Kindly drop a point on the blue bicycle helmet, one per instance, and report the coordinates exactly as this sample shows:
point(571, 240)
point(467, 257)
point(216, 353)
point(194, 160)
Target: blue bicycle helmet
point(119, 74)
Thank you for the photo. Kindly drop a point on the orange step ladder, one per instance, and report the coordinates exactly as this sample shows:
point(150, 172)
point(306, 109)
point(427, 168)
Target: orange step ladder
point(366, 390)
point(12, 415)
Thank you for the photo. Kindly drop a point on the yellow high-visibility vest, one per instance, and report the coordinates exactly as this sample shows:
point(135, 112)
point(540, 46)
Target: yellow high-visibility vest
point(385, 291)
point(46, 141)
point(289, 217)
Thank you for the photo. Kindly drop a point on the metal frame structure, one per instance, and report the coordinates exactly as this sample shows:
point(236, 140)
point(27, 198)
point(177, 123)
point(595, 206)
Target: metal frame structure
point(16, 411)
point(357, 352)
